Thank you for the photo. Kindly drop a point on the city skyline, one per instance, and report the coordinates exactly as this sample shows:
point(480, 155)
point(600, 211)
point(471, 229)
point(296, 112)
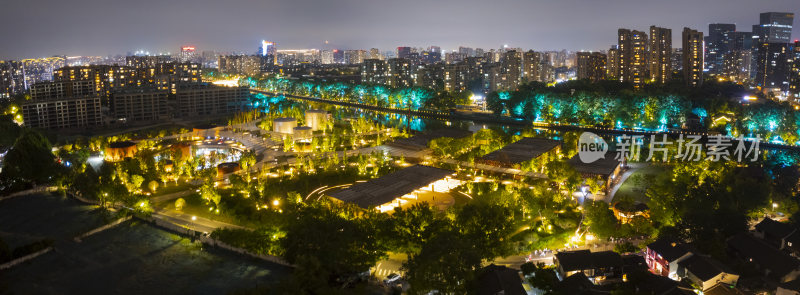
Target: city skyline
point(238, 27)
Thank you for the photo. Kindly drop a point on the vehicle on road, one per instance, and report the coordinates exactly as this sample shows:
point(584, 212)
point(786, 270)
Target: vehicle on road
point(392, 278)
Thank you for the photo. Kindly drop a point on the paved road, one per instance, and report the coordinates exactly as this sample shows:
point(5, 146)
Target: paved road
point(196, 223)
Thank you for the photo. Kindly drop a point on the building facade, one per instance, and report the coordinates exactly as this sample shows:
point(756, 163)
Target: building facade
point(139, 104)
point(60, 105)
point(194, 100)
point(591, 66)
point(659, 54)
point(632, 46)
point(375, 71)
point(692, 41)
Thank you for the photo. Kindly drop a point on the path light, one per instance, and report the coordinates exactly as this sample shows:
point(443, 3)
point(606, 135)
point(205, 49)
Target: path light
point(194, 218)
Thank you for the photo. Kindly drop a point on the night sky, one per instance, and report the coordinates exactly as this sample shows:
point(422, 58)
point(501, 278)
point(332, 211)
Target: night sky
point(37, 28)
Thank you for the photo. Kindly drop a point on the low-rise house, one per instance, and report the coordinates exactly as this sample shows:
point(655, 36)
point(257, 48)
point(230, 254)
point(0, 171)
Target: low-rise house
point(723, 289)
point(499, 280)
point(773, 232)
point(663, 256)
point(705, 272)
point(769, 260)
point(600, 267)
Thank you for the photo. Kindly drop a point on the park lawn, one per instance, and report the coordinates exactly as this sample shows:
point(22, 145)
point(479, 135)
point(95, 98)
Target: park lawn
point(195, 205)
point(635, 189)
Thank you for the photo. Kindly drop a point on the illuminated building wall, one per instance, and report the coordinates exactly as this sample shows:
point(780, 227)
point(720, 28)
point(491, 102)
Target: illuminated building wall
point(612, 63)
point(632, 56)
point(11, 78)
point(193, 100)
point(188, 54)
point(56, 105)
point(530, 66)
point(659, 54)
point(40, 69)
point(401, 73)
point(240, 64)
point(375, 71)
point(139, 104)
point(794, 75)
point(719, 42)
point(772, 68)
point(591, 66)
point(692, 57)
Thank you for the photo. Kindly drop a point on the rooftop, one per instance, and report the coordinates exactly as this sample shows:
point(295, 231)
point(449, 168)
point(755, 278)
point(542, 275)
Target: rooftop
point(762, 254)
point(495, 279)
point(384, 189)
point(523, 150)
point(774, 228)
point(585, 259)
point(703, 268)
point(669, 249)
point(420, 141)
point(604, 166)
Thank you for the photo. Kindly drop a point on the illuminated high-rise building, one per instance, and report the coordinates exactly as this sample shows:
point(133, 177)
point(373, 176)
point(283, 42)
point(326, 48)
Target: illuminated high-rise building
point(188, 54)
point(719, 42)
point(591, 66)
point(326, 57)
point(632, 56)
point(774, 62)
point(37, 70)
point(374, 71)
point(774, 27)
point(693, 50)
point(374, 53)
point(612, 63)
point(403, 51)
point(11, 78)
point(658, 54)
point(354, 57)
point(794, 74)
point(59, 105)
point(530, 66)
point(240, 64)
point(772, 51)
point(268, 48)
point(401, 72)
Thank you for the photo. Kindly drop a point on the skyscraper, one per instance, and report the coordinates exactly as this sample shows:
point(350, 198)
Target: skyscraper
point(327, 57)
point(401, 72)
point(719, 42)
point(374, 53)
point(269, 54)
point(612, 64)
point(11, 78)
point(772, 70)
point(187, 54)
point(774, 27)
point(772, 50)
point(692, 57)
point(632, 56)
point(374, 71)
point(403, 51)
point(794, 74)
point(530, 66)
point(659, 53)
point(592, 66)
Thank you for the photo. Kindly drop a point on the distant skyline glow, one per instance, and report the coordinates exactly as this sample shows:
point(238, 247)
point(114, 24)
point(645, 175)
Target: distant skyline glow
point(40, 28)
